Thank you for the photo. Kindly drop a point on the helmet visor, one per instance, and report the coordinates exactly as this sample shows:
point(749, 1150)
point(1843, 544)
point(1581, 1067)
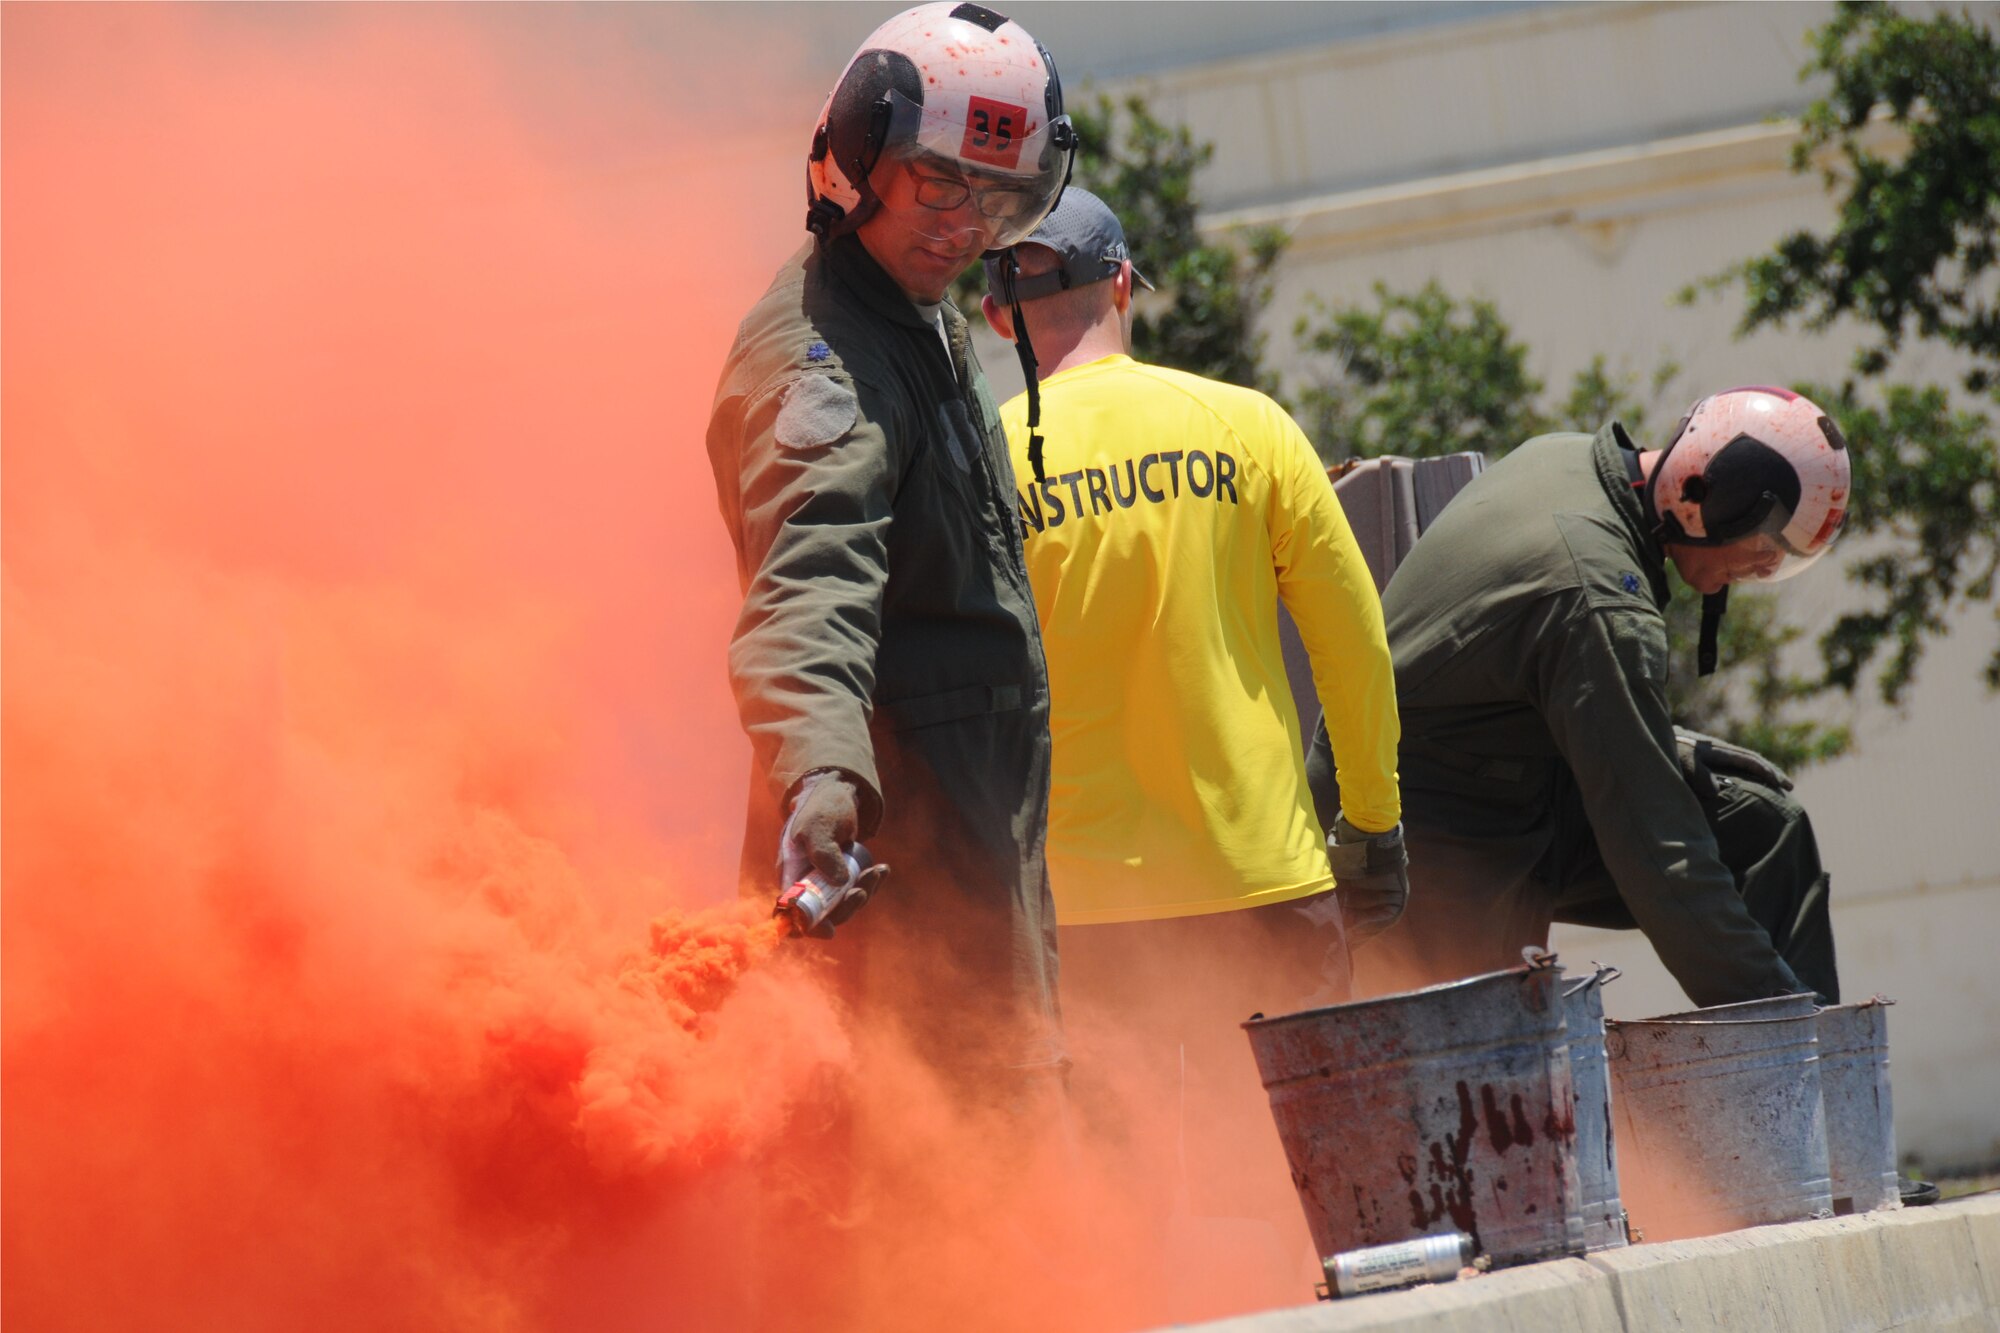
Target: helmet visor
point(1771, 551)
point(978, 174)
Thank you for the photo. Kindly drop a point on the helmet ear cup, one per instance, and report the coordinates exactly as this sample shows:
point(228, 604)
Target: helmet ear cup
point(857, 121)
point(1742, 482)
point(1063, 139)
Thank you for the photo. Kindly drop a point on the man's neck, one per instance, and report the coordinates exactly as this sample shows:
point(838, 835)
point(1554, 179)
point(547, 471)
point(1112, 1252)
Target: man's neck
point(1103, 339)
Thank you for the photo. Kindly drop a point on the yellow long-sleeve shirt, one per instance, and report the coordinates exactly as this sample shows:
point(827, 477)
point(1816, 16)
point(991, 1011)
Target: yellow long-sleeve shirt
point(1177, 512)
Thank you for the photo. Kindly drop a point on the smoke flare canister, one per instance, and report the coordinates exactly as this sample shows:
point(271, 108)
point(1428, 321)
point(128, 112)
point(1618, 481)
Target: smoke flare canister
point(811, 900)
point(1426, 1259)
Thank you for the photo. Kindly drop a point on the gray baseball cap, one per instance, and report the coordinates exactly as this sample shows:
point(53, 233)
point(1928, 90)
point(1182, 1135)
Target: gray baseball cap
point(1084, 233)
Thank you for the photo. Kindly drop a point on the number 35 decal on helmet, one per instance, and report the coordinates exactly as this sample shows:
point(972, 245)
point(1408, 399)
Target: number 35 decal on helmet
point(993, 132)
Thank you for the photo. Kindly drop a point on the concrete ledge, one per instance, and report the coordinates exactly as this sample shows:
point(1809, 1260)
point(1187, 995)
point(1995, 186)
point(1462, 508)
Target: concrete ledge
point(1929, 1268)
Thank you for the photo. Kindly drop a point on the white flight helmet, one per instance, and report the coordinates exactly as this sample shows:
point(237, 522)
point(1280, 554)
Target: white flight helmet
point(962, 90)
point(1755, 464)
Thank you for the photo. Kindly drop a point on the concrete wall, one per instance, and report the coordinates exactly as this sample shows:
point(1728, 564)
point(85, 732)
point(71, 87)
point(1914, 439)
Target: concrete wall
point(1577, 164)
point(1928, 1268)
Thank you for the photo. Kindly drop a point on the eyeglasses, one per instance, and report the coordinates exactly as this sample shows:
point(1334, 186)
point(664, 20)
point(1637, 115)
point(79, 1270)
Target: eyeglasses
point(998, 203)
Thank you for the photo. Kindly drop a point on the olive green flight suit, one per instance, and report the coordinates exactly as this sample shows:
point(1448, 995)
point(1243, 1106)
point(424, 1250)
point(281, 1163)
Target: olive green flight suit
point(1539, 770)
point(888, 631)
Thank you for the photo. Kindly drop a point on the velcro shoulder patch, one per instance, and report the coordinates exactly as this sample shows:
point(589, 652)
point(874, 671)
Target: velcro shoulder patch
point(817, 410)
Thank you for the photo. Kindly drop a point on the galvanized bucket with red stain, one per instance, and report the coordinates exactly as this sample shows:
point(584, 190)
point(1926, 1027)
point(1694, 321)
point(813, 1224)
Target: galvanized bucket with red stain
point(1443, 1109)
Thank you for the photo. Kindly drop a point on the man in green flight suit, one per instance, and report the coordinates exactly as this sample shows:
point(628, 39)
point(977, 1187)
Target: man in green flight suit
point(887, 663)
point(1541, 775)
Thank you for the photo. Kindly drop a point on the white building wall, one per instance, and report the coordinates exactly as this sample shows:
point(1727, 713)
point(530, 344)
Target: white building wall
point(1578, 164)
point(1544, 82)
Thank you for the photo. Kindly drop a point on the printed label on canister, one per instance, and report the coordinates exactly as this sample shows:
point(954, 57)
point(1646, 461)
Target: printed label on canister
point(1429, 1259)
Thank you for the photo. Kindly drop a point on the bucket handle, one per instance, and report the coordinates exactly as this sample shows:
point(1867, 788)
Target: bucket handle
point(1876, 1001)
point(1603, 976)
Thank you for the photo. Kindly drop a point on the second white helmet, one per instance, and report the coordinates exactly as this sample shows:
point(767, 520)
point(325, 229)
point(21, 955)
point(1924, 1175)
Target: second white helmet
point(1754, 464)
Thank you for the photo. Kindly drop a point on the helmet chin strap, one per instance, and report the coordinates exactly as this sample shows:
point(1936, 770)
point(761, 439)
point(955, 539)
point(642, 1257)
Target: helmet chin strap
point(1025, 349)
point(1712, 607)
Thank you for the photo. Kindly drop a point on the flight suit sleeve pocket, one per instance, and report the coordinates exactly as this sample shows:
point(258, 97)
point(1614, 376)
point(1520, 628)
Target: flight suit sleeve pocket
point(816, 411)
point(929, 710)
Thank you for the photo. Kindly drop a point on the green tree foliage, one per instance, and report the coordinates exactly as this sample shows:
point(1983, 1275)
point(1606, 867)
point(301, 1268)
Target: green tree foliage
point(1419, 374)
point(1926, 520)
point(1423, 373)
point(1915, 242)
point(1911, 257)
point(1204, 316)
point(1597, 396)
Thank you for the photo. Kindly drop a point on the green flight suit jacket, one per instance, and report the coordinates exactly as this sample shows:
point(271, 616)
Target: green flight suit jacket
point(1530, 644)
point(888, 630)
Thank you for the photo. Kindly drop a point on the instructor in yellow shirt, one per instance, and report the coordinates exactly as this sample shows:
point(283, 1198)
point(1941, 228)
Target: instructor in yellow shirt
point(1165, 516)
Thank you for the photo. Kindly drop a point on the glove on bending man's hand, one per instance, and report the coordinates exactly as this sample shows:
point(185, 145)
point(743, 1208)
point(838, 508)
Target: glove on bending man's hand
point(823, 826)
point(1371, 873)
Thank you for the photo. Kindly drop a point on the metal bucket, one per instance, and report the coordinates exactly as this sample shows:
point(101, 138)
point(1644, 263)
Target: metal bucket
point(1860, 1122)
point(1443, 1109)
point(1596, 1146)
point(1719, 1124)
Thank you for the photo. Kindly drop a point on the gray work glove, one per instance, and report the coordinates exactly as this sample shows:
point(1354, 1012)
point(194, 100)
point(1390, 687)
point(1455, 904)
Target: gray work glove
point(1371, 873)
point(825, 820)
point(822, 828)
point(1721, 756)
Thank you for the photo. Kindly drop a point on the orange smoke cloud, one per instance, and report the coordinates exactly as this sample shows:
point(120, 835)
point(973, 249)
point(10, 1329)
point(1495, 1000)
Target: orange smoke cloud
point(364, 601)
point(373, 786)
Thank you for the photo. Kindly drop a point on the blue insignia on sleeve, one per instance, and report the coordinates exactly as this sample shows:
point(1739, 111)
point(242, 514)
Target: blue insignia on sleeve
point(819, 351)
point(1629, 581)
